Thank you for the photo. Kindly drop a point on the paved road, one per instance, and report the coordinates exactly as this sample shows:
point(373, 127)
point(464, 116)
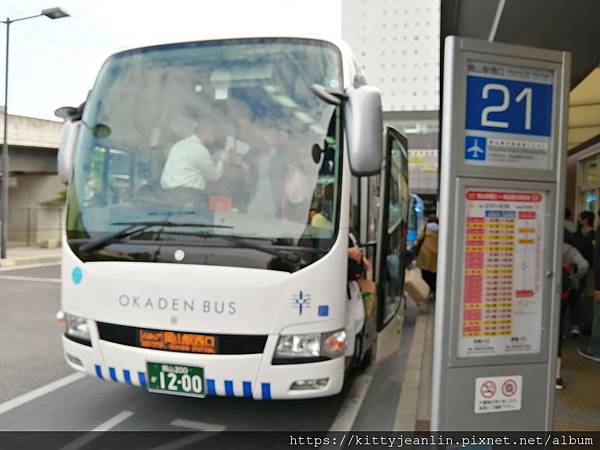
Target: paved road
point(29, 335)
point(32, 358)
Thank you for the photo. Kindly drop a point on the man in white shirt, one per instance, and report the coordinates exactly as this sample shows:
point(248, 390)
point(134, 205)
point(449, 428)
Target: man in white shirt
point(190, 163)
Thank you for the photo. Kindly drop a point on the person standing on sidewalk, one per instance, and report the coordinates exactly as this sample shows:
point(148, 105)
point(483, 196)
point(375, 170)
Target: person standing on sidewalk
point(581, 305)
point(592, 350)
point(575, 267)
point(427, 244)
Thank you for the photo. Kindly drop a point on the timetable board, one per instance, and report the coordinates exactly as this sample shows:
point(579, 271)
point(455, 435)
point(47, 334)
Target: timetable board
point(502, 288)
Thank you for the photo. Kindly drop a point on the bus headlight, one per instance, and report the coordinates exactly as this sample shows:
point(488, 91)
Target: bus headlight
point(310, 347)
point(77, 329)
point(298, 345)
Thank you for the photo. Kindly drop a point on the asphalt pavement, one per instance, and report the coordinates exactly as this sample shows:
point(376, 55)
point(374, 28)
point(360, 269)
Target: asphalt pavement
point(39, 391)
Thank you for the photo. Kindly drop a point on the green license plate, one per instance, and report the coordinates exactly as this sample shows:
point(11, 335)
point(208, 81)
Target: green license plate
point(175, 379)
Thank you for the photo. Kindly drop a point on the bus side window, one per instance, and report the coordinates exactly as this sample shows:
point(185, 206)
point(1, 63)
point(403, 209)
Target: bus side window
point(355, 205)
point(393, 239)
point(373, 216)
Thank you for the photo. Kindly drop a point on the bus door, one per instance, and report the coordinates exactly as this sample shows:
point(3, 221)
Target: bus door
point(391, 256)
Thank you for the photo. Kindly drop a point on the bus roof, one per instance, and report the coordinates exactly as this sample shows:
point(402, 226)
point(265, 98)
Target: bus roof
point(337, 41)
point(347, 57)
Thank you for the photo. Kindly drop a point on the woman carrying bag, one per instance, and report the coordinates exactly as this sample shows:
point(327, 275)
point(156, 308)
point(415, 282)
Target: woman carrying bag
point(425, 251)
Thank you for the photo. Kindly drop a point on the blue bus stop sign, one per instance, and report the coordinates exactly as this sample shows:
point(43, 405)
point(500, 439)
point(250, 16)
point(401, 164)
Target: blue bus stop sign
point(508, 118)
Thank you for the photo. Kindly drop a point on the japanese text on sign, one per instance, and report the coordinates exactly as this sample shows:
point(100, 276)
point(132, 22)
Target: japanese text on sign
point(501, 302)
point(498, 394)
point(509, 113)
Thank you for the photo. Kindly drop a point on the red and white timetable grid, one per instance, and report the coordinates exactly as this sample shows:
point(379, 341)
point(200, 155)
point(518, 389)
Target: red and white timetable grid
point(503, 265)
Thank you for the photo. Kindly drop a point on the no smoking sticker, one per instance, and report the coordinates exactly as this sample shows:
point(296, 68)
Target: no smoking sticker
point(488, 389)
point(498, 394)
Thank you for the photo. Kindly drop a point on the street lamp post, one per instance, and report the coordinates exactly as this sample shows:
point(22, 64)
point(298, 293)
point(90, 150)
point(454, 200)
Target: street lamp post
point(51, 13)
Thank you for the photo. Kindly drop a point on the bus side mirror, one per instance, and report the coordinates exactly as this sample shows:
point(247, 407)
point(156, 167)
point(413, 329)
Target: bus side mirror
point(364, 130)
point(66, 150)
point(68, 139)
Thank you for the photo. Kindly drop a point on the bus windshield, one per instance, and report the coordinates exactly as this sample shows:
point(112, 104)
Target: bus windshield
point(224, 133)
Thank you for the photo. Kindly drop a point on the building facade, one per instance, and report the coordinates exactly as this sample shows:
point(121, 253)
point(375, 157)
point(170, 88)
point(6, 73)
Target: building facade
point(397, 44)
point(34, 189)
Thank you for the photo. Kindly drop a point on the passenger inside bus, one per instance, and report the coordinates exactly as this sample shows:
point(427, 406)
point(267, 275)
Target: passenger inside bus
point(209, 161)
point(320, 216)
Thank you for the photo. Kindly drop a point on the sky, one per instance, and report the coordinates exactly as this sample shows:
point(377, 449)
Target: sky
point(54, 63)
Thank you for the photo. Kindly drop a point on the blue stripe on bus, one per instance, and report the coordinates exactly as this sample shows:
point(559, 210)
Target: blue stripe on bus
point(229, 388)
point(247, 389)
point(210, 386)
point(142, 377)
point(266, 391)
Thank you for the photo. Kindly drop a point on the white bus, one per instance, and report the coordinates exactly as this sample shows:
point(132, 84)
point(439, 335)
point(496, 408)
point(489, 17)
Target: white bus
point(212, 187)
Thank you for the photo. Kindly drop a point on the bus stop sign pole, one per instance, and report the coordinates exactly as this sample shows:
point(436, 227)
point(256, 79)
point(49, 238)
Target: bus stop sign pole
point(501, 202)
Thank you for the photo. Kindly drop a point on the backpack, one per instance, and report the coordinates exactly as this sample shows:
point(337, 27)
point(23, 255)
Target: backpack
point(566, 284)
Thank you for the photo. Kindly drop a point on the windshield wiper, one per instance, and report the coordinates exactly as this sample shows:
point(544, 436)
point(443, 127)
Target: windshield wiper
point(132, 228)
point(289, 257)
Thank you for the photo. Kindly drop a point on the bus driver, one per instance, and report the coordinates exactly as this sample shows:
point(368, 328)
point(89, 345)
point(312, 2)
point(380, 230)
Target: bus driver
point(192, 161)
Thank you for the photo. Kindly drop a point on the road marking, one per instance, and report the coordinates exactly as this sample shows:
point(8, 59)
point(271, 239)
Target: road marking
point(17, 278)
point(198, 426)
point(29, 266)
point(114, 421)
point(88, 437)
point(39, 392)
point(208, 430)
point(185, 442)
point(349, 409)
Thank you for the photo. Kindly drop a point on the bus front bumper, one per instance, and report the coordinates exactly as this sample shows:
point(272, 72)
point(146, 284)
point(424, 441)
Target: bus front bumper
point(250, 376)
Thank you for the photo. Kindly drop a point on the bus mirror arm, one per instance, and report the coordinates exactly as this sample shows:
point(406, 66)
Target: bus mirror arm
point(328, 95)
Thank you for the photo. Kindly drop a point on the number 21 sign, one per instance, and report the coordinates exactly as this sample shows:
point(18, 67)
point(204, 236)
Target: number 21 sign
point(509, 106)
